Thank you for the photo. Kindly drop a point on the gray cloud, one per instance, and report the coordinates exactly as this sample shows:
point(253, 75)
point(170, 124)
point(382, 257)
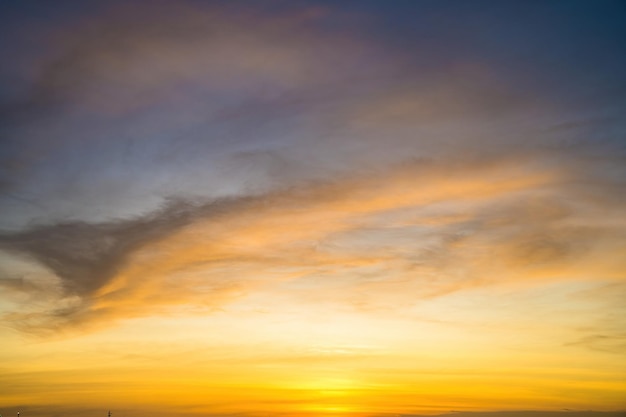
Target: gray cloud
point(19, 284)
point(85, 256)
point(612, 343)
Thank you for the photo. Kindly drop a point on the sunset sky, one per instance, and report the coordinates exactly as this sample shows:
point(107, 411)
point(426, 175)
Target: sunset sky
point(312, 208)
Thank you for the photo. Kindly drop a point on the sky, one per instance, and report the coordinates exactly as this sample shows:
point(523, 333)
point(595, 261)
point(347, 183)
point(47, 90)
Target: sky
point(312, 208)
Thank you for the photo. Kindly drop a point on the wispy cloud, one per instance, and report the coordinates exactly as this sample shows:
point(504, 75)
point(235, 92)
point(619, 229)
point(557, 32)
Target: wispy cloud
point(417, 228)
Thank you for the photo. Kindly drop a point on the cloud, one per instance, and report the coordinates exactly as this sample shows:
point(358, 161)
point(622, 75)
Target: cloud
point(283, 175)
point(615, 343)
point(138, 105)
point(86, 255)
point(138, 53)
point(132, 104)
point(370, 241)
point(18, 284)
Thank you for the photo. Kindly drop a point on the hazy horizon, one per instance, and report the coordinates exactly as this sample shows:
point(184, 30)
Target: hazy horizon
point(41, 410)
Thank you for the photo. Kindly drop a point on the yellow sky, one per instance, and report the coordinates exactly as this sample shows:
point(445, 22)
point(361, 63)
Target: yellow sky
point(319, 302)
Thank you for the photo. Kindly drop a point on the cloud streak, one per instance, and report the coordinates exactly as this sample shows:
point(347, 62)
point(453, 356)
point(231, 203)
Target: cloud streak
point(431, 230)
